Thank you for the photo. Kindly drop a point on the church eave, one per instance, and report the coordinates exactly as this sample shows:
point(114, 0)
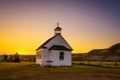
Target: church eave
point(59, 47)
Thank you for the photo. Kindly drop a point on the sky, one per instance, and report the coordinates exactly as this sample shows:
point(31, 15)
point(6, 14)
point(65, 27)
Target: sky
point(86, 24)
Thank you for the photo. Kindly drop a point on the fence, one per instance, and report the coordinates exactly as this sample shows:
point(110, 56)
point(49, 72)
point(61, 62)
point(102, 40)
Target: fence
point(109, 64)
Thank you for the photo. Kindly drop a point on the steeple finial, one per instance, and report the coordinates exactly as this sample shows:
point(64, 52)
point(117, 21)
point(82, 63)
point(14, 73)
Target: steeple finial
point(58, 24)
point(57, 29)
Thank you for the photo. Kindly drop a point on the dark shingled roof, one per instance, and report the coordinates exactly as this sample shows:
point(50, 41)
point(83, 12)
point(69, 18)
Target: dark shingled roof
point(43, 45)
point(58, 47)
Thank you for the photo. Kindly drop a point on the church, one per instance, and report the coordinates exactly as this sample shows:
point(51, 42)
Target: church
point(55, 51)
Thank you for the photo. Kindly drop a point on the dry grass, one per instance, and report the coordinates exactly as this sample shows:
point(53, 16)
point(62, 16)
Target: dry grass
point(99, 64)
point(31, 71)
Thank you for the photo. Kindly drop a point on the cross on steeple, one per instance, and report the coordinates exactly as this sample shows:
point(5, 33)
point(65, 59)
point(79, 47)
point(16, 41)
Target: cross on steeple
point(58, 24)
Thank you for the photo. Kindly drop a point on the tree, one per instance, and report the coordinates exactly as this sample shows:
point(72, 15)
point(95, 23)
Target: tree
point(5, 57)
point(16, 57)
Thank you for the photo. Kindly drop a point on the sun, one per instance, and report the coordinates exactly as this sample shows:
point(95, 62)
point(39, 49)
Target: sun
point(22, 52)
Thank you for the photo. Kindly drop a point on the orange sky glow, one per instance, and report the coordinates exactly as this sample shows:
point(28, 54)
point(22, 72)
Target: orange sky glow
point(25, 25)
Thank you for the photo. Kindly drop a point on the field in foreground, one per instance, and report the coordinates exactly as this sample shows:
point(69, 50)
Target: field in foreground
point(31, 71)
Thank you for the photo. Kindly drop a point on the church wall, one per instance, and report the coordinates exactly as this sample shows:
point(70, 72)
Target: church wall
point(57, 62)
point(39, 57)
point(45, 57)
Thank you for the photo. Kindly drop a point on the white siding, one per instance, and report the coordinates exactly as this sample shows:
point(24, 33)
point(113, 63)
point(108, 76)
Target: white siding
point(57, 62)
point(45, 57)
point(58, 40)
point(39, 56)
point(54, 56)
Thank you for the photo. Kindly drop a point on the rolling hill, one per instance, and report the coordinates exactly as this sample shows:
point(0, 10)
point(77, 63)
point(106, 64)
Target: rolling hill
point(113, 50)
point(111, 53)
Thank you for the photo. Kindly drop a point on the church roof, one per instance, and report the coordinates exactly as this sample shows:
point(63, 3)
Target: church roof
point(59, 47)
point(43, 45)
point(54, 46)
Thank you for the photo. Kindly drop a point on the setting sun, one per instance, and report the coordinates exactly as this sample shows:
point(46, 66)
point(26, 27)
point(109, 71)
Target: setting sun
point(21, 52)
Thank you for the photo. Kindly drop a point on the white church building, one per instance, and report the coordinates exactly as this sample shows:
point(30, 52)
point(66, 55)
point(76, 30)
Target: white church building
point(55, 51)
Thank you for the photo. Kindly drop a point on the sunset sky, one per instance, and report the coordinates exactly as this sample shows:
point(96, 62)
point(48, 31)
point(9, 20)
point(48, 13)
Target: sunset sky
point(86, 24)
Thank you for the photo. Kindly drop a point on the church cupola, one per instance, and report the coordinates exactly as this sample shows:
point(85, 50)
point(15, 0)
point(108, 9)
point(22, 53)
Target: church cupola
point(57, 30)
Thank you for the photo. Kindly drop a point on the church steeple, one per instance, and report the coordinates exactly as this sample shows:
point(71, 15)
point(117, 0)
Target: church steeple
point(58, 30)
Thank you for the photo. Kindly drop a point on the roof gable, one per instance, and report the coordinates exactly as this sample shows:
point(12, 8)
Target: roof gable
point(52, 38)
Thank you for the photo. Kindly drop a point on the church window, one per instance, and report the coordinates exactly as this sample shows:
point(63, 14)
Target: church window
point(61, 56)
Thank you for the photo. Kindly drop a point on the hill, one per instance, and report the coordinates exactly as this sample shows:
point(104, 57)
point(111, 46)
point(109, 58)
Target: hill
point(113, 50)
point(109, 54)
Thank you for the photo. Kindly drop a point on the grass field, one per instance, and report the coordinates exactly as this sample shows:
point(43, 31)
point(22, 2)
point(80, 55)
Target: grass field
point(31, 71)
